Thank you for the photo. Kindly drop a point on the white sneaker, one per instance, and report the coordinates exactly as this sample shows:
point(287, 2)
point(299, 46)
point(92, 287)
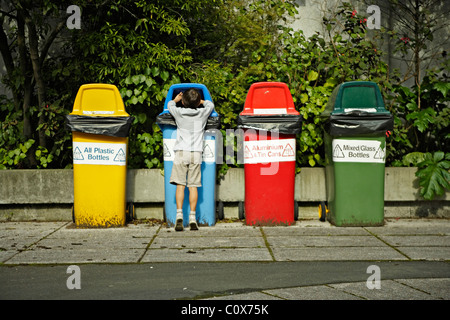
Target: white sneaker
point(193, 223)
point(179, 223)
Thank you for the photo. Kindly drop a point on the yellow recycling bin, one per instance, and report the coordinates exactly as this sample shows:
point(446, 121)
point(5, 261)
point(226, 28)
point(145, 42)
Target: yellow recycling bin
point(100, 128)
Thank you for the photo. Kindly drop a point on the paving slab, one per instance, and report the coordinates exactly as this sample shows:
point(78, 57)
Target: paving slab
point(437, 288)
point(41, 255)
point(412, 227)
point(389, 290)
point(324, 241)
point(233, 229)
point(398, 242)
point(311, 229)
point(256, 296)
point(323, 292)
point(337, 254)
point(207, 255)
point(16, 237)
point(61, 242)
point(20, 235)
point(208, 242)
point(427, 253)
point(434, 240)
point(398, 289)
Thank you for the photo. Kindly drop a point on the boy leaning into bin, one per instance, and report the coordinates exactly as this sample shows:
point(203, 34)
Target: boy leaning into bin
point(191, 119)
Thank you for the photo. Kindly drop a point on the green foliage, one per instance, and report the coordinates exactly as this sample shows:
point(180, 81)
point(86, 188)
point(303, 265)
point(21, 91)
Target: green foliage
point(311, 67)
point(16, 151)
point(420, 128)
point(13, 147)
point(143, 47)
point(13, 158)
point(433, 174)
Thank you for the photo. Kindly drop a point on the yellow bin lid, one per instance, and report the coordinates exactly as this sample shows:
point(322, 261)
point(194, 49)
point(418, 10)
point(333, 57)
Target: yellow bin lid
point(98, 99)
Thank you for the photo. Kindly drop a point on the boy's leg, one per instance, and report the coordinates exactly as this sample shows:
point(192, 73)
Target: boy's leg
point(178, 178)
point(193, 198)
point(194, 181)
point(179, 198)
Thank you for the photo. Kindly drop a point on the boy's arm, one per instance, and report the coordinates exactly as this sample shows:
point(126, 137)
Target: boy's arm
point(178, 97)
point(209, 106)
point(171, 106)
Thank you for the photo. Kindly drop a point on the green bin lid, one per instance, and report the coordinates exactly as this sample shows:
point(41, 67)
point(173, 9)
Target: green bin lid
point(362, 96)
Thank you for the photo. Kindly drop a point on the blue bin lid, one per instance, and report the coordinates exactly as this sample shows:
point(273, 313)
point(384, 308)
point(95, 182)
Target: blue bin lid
point(175, 89)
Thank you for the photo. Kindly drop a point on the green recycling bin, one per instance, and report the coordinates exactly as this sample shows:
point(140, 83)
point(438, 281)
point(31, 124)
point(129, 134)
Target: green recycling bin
point(356, 123)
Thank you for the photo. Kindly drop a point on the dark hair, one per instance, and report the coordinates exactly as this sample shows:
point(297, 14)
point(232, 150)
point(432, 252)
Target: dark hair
point(191, 98)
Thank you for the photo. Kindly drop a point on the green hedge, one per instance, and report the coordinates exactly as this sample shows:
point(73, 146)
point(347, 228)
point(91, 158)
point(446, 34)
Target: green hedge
point(143, 47)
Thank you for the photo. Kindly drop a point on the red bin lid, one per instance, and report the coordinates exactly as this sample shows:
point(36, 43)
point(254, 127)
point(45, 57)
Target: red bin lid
point(264, 98)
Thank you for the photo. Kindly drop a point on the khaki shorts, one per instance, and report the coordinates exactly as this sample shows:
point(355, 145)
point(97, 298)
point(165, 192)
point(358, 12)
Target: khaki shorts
point(186, 169)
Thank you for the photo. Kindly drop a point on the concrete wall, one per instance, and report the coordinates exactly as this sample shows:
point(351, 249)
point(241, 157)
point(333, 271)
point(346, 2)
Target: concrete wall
point(48, 194)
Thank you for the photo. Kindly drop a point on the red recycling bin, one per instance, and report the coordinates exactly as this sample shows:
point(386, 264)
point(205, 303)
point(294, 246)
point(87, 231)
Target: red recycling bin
point(270, 124)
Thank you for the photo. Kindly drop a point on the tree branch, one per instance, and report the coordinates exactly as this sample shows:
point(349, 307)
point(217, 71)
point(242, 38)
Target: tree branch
point(50, 40)
point(4, 50)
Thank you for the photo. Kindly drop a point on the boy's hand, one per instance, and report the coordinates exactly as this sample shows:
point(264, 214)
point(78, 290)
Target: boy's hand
point(178, 97)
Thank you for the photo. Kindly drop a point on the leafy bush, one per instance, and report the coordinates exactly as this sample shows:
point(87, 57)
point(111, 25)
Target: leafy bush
point(421, 121)
point(433, 174)
point(143, 47)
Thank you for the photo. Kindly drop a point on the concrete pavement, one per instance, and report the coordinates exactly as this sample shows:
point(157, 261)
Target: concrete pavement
point(399, 241)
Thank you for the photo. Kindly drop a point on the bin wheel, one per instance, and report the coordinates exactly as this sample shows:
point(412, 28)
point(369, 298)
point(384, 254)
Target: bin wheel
point(219, 210)
point(73, 214)
point(295, 210)
point(131, 213)
point(241, 210)
point(323, 210)
point(164, 213)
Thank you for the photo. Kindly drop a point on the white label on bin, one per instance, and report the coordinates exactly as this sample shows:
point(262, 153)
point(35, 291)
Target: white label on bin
point(360, 109)
point(265, 151)
point(368, 151)
point(209, 147)
point(270, 111)
point(98, 112)
point(110, 154)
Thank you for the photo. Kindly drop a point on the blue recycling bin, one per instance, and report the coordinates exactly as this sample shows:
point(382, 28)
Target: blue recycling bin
point(206, 205)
